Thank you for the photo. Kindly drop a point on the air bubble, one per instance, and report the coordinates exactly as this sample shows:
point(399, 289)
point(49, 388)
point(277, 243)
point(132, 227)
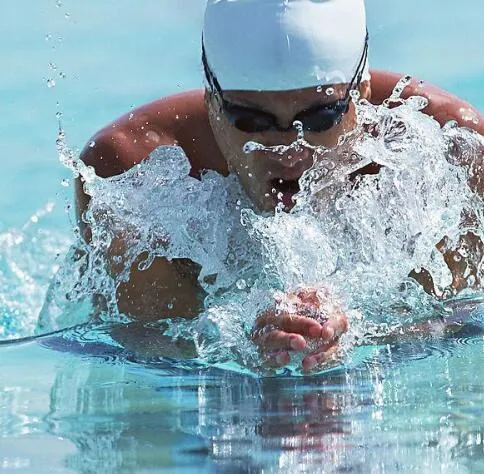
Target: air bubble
point(329, 91)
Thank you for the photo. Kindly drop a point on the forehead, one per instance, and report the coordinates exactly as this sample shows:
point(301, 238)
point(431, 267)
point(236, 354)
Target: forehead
point(299, 97)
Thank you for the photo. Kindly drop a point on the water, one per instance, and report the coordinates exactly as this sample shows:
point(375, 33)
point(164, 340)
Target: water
point(95, 398)
point(408, 407)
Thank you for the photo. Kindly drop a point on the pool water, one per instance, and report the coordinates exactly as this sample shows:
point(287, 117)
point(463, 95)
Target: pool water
point(408, 407)
point(77, 402)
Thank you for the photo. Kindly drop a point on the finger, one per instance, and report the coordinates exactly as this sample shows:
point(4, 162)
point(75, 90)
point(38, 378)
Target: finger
point(281, 340)
point(302, 325)
point(288, 322)
point(276, 360)
point(334, 327)
point(317, 359)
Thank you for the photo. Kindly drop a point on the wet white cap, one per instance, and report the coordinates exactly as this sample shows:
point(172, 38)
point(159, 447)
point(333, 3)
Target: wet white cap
point(276, 45)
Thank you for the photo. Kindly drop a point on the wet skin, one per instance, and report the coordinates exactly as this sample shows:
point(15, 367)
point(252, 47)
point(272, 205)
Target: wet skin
point(194, 121)
point(260, 172)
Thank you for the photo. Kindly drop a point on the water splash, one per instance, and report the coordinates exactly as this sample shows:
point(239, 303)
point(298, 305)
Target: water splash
point(358, 235)
point(29, 257)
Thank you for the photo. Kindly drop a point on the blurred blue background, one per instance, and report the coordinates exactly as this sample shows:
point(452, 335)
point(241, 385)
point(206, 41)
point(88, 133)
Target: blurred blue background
point(106, 56)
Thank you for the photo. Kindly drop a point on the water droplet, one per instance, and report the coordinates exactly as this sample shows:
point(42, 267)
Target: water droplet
point(355, 95)
point(319, 89)
point(297, 124)
point(329, 91)
point(250, 175)
point(92, 144)
point(131, 115)
point(58, 115)
point(170, 305)
point(62, 75)
point(250, 147)
point(48, 37)
point(52, 66)
point(65, 183)
point(58, 3)
point(34, 219)
point(241, 284)
point(67, 15)
point(50, 83)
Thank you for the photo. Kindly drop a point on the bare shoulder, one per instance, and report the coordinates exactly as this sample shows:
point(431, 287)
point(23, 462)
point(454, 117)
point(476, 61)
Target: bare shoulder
point(180, 119)
point(166, 288)
point(442, 105)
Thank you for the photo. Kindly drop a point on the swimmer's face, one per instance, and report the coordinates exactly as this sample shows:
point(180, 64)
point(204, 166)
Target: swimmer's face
point(261, 172)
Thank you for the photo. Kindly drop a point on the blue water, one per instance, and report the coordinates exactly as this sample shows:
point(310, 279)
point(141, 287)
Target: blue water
point(87, 407)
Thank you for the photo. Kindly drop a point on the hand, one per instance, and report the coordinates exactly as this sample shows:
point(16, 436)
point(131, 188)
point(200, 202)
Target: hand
point(308, 317)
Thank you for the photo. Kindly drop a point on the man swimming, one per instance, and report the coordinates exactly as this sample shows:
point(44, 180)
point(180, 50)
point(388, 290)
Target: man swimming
point(267, 64)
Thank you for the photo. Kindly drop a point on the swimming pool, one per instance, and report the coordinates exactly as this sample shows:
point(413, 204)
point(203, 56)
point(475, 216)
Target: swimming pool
point(80, 404)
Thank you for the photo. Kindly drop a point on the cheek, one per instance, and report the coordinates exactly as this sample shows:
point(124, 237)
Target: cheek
point(228, 136)
point(230, 142)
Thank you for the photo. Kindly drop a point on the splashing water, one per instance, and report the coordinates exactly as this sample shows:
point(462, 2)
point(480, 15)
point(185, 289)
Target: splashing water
point(360, 237)
point(29, 257)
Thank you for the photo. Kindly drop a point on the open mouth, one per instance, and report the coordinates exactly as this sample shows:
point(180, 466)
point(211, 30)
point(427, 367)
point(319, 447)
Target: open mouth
point(284, 190)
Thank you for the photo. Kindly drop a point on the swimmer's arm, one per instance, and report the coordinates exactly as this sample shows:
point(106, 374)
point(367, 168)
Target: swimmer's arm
point(166, 289)
point(443, 106)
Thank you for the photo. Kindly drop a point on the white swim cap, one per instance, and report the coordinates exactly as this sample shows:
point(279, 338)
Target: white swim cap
point(276, 45)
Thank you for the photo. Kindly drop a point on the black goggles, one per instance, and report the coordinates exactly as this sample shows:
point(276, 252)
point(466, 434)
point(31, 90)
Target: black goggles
point(319, 118)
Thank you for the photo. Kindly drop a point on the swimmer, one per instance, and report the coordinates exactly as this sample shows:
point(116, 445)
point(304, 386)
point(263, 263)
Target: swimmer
point(266, 64)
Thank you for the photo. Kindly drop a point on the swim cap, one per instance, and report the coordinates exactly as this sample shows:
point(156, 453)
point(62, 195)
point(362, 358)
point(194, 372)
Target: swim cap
point(276, 45)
